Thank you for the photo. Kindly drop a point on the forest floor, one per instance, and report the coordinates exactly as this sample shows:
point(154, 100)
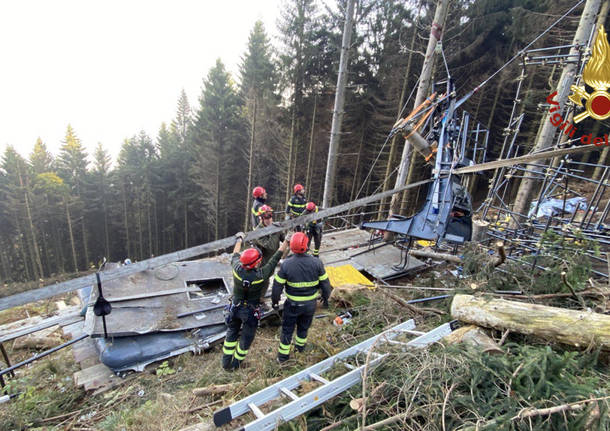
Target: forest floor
point(442, 388)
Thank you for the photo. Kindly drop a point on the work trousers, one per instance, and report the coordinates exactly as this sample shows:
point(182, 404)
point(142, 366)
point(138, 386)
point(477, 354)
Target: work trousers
point(316, 234)
point(242, 321)
point(299, 314)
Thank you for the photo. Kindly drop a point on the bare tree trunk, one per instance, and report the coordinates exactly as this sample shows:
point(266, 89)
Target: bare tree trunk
point(335, 131)
point(357, 168)
point(149, 223)
point(545, 139)
point(23, 249)
point(70, 232)
point(84, 231)
point(217, 209)
point(422, 90)
point(28, 212)
point(250, 165)
point(126, 220)
point(140, 237)
point(106, 234)
point(290, 154)
point(186, 224)
point(403, 92)
point(311, 135)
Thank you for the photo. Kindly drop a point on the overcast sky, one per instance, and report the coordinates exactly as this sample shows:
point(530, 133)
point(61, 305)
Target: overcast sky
point(112, 68)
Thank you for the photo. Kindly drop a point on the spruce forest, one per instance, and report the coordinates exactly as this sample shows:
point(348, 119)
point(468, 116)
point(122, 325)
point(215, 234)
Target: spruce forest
point(269, 125)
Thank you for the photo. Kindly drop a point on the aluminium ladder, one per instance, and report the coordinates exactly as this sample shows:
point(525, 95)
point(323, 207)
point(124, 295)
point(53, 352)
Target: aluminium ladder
point(301, 404)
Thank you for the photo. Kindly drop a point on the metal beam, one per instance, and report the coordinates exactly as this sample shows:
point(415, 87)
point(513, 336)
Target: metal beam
point(210, 247)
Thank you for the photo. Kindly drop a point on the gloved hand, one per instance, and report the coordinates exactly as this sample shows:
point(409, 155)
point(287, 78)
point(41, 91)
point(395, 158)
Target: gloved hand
point(240, 236)
point(286, 217)
point(275, 306)
point(324, 302)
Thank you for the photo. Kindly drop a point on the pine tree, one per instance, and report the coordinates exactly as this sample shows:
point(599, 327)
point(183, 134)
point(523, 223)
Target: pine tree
point(40, 158)
point(219, 140)
point(101, 194)
point(72, 168)
point(257, 87)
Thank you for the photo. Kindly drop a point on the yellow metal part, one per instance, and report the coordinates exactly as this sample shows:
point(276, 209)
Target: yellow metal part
point(347, 274)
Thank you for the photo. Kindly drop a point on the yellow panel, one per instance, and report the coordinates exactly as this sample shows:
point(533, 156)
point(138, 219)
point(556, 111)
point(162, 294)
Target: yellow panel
point(347, 274)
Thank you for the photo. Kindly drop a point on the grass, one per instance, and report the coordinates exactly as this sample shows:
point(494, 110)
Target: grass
point(458, 385)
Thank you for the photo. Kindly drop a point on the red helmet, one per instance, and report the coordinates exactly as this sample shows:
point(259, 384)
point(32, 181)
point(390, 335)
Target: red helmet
point(298, 188)
point(265, 210)
point(250, 258)
point(310, 206)
point(298, 243)
point(258, 192)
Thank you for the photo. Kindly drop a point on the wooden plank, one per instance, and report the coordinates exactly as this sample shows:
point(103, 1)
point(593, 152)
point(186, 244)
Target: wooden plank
point(74, 330)
point(89, 362)
point(84, 349)
point(94, 377)
point(46, 323)
point(155, 262)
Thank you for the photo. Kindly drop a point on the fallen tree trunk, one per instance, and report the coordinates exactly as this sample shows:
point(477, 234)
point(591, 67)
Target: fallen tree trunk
point(434, 255)
point(427, 253)
point(575, 327)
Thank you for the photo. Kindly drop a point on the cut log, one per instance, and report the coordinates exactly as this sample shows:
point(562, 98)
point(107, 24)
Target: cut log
point(573, 327)
point(474, 336)
point(434, 255)
point(36, 342)
point(479, 230)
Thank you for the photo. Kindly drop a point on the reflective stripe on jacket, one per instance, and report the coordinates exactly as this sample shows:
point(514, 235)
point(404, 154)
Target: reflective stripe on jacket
point(296, 205)
point(302, 276)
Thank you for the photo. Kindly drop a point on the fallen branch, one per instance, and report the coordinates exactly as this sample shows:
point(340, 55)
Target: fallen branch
point(445, 403)
point(336, 424)
point(221, 389)
point(386, 421)
point(424, 311)
point(564, 278)
point(215, 389)
point(530, 412)
point(202, 406)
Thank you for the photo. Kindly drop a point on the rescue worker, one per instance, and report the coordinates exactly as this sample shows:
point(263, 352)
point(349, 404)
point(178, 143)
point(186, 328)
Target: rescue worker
point(267, 245)
point(301, 275)
point(296, 204)
point(243, 313)
point(313, 229)
point(260, 197)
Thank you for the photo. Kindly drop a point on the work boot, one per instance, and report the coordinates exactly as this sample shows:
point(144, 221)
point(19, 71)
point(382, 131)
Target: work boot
point(227, 362)
point(236, 364)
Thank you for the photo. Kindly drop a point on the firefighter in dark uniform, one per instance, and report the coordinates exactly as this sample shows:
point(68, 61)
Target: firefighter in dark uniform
point(243, 313)
point(296, 204)
point(313, 229)
point(267, 244)
point(302, 276)
point(260, 197)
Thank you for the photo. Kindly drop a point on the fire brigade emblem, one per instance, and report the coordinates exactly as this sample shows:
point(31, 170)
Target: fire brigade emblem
point(596, 75)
